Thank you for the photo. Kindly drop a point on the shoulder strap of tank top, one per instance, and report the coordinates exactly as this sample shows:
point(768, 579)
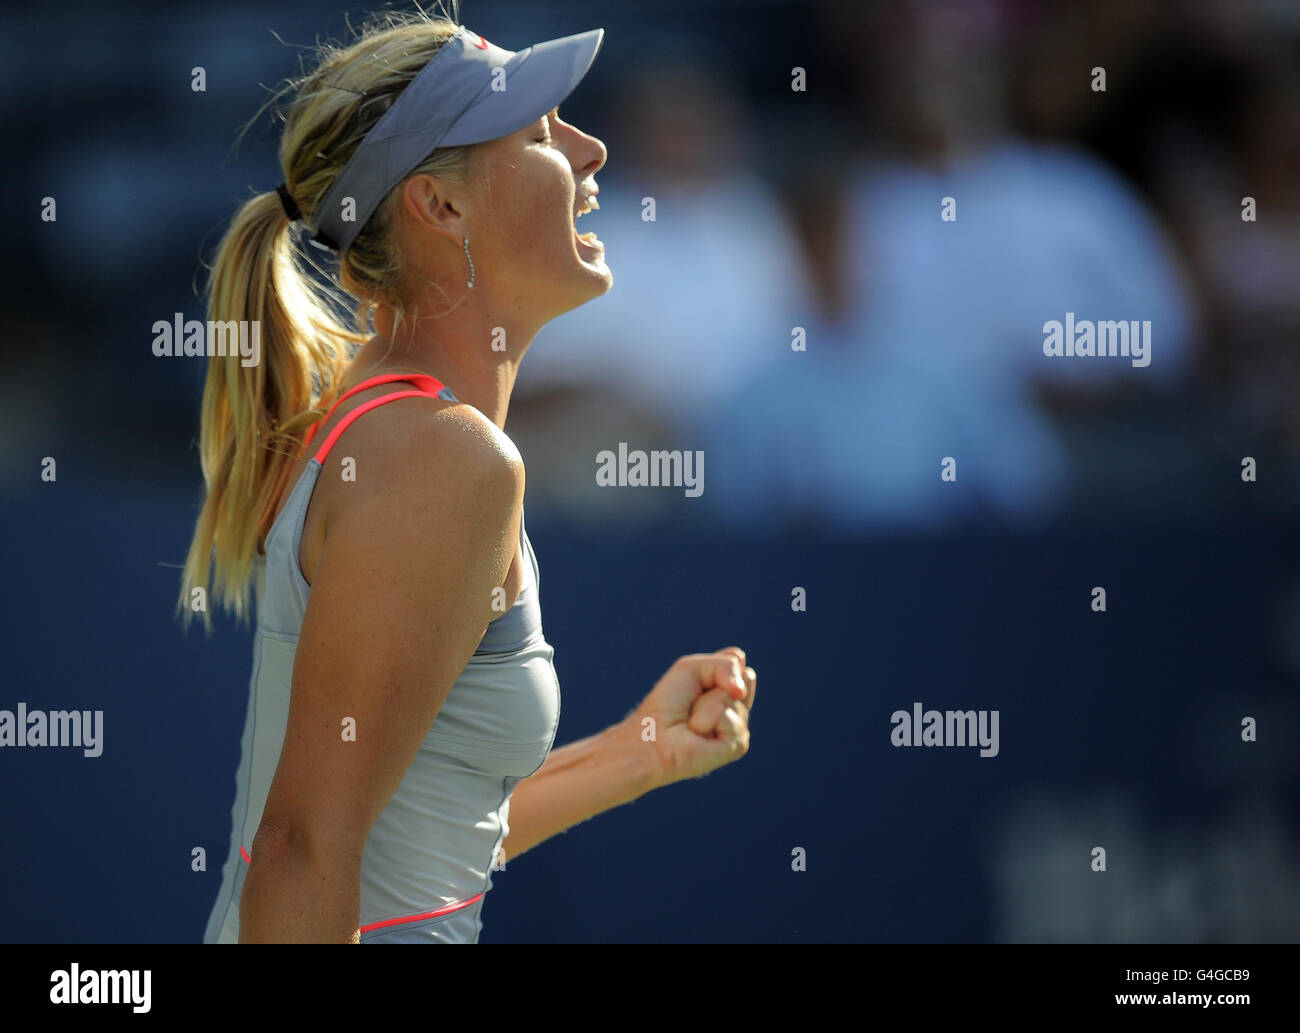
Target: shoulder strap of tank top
point(342, 425)
point(428, 386)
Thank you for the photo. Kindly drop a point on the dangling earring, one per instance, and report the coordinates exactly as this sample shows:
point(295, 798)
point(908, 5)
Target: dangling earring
point(471, 264)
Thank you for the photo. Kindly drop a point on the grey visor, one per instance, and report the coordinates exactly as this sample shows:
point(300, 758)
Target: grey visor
point(457, 98)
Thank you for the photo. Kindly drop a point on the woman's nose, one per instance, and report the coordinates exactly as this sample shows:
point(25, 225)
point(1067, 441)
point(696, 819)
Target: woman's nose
point(590, 154)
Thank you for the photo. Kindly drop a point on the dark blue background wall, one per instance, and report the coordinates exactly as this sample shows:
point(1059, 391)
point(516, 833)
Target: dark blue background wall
point(1143, 701)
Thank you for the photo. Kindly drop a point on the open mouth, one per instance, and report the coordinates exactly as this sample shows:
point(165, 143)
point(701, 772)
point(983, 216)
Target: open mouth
point(589, 238)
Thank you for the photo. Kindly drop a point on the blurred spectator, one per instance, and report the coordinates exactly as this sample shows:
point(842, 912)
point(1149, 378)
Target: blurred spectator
point(1201, 111)
point(940, 351)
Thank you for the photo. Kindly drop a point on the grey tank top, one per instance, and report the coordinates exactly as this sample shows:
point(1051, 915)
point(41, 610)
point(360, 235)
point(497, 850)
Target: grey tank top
point(428, 861)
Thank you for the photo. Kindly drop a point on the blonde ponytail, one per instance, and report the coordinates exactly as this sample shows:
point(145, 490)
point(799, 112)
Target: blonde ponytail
point(253, 417)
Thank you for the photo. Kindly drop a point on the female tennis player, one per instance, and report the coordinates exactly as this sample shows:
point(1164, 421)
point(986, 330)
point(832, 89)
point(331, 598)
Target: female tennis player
point(403, 703)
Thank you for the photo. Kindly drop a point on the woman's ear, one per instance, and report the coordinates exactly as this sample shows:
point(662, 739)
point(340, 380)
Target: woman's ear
point(435, 205)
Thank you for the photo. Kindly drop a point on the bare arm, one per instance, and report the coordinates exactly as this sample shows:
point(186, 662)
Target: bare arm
point(577, 782)
point(694, 720)
point(400, 599)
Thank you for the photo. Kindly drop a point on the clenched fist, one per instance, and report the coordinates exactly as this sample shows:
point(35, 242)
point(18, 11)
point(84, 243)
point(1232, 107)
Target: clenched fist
point(700, 710)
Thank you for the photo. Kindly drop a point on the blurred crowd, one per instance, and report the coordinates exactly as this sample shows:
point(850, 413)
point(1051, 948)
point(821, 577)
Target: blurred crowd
point(843, 285)
point(822, 210)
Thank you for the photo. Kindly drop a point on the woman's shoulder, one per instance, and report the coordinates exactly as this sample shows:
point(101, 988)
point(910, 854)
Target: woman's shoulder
point(434, 451)
point(449, 438)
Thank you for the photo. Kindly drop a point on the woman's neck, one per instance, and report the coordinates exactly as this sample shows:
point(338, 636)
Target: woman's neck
point(480, 374)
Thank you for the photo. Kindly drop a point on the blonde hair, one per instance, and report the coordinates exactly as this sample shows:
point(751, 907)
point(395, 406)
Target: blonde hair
point(252, 416)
